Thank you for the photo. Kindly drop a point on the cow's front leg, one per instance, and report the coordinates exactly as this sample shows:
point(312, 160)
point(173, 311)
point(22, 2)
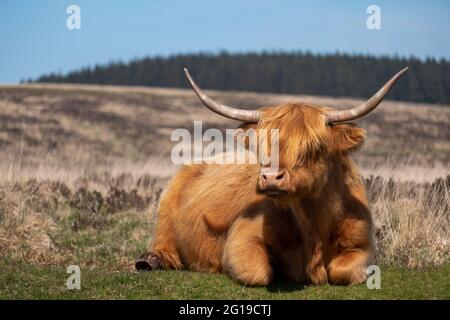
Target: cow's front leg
point(246, 257)
point(315, 269)
point(349, 267)
point(354, 253)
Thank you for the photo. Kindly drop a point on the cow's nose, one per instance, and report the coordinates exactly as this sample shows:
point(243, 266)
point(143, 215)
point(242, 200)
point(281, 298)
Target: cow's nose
point(272, 178)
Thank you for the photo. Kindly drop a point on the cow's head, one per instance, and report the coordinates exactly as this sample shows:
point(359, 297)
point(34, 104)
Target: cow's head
point(311, 139)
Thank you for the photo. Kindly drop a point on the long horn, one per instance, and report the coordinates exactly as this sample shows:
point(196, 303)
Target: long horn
point(229, 112)
point(366, 107)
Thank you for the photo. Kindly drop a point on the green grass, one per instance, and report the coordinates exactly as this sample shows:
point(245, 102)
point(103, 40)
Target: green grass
point(20, 280)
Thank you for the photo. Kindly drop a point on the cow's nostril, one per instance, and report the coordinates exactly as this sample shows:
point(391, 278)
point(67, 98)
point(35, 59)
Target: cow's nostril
point(264, 177)
point(280, 176)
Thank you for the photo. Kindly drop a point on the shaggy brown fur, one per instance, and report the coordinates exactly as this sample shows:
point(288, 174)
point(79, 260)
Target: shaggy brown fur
point(213, 217)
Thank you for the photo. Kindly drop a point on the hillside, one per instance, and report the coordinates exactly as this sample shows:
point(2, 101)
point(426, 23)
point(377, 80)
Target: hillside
point(339, 75)
point(117, 127)
point(83, 168)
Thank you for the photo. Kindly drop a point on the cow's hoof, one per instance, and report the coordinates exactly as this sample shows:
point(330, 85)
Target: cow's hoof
point(148, 261)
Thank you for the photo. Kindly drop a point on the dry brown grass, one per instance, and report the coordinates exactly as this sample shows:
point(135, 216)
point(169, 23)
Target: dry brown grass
point(412, 221)
point(47, 222)
point(26, 229)
point(83, 168)
point(39, 219)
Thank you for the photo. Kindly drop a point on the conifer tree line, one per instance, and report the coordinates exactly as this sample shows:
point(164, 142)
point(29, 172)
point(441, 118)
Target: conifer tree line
point(278, 72)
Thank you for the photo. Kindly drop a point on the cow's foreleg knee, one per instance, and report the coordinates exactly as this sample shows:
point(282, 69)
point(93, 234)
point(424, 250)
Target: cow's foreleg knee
point(248, 263)
point(246, 257)
point(349, 267)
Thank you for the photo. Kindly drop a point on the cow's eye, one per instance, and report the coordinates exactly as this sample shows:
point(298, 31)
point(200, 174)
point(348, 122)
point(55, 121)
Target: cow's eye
point(300, 162)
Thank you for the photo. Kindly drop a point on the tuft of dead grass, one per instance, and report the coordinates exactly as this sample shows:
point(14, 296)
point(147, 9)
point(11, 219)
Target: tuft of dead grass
point(49, 223)
point(412, 221)
point(26, 234)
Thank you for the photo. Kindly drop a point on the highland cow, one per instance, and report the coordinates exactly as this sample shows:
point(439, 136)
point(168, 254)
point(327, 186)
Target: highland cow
point(308, 221)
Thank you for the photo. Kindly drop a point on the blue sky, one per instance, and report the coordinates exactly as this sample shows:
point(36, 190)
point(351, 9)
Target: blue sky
point(34, 38)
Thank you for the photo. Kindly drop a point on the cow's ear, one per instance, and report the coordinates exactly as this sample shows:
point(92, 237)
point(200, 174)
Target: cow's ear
point(346, 137)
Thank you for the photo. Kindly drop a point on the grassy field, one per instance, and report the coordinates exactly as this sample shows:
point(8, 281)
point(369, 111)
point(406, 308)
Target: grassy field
point(33, 282)
point(83, 168)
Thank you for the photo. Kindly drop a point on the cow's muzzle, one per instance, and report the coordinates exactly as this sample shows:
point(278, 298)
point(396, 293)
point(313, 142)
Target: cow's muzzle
point(273, 182)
